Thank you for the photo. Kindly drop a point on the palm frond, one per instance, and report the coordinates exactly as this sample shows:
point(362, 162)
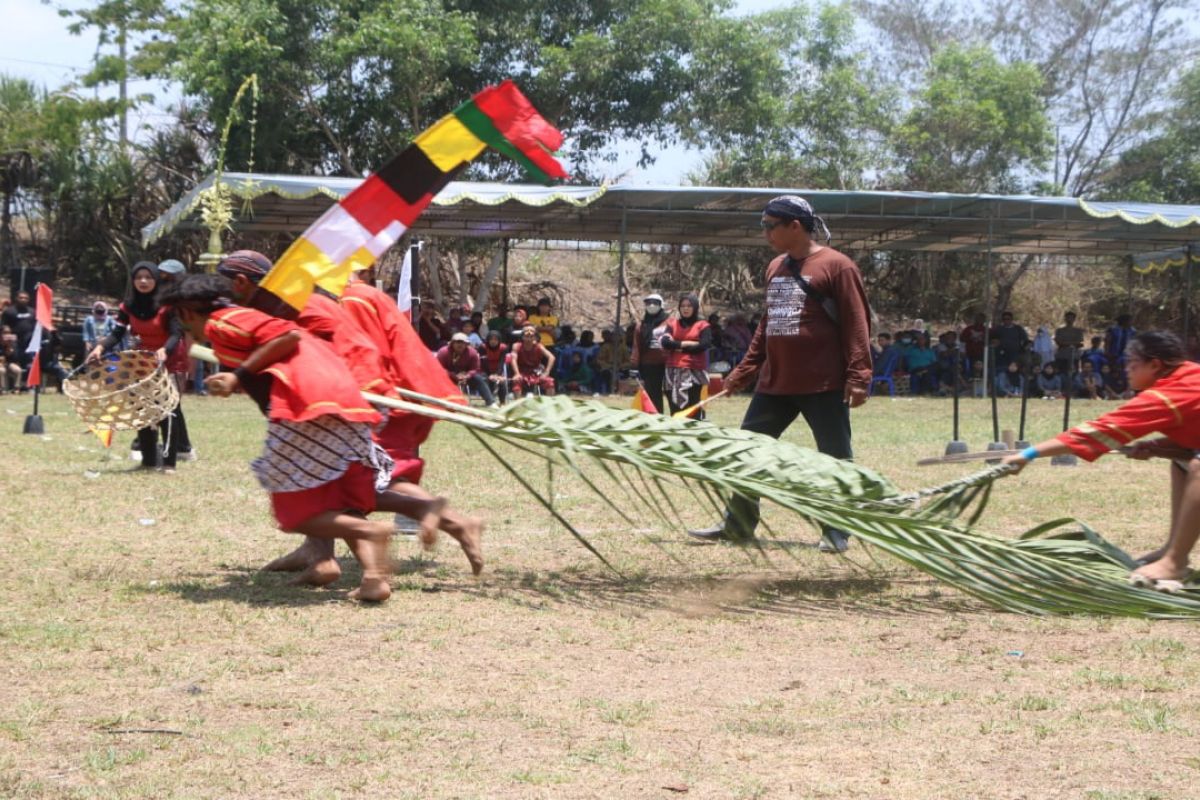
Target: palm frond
point(1053, 569)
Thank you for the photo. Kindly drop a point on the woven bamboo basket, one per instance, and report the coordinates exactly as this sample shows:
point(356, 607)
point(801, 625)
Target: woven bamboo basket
point(124, 391)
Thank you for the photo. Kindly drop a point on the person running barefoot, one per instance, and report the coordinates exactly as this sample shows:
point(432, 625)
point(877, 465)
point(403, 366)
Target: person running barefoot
point(411, 366)
point(1168, 404)
point(319, 462)
point(324, 318)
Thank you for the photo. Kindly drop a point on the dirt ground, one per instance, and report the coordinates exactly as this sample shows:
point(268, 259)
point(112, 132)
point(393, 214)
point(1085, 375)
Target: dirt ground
point(146, 657)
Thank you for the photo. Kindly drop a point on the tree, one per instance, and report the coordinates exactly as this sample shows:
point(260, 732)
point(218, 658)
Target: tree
point(1107, 65)
point(976, 126)
point(1166, 168)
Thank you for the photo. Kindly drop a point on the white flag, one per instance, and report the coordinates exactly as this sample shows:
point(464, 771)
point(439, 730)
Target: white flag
point(404, 290)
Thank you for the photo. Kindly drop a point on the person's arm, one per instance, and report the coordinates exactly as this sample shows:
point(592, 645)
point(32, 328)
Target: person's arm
point(549, 361)
point(472, 362)
point(854, 316)
point(704, 343)
point(1050, 447)
point(174, 335)
point(224, 383)
point(512, 360)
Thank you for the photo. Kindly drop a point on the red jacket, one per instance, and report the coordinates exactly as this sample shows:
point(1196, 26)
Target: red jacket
point(688, 359)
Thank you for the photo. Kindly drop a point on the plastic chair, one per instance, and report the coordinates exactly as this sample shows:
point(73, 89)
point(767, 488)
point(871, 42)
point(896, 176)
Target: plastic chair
point(884, 374)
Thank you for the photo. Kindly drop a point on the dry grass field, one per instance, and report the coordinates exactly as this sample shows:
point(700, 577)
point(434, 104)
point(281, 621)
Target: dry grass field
point(143, 655)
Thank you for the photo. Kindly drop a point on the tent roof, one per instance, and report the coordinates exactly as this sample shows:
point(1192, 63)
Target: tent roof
point(924, 221)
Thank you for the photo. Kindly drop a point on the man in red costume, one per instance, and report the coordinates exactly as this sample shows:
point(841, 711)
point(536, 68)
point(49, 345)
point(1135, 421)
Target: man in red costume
point(372, 359)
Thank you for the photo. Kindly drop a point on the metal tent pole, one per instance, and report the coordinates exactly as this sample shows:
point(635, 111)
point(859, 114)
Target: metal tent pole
point(618, 331)
point(989, 359)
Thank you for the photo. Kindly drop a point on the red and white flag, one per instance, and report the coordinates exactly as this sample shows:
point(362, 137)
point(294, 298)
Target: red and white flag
point(45, 322)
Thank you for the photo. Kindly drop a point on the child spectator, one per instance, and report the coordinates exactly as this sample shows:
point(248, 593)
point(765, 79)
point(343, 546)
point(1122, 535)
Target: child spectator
point(1049, 382)
point(10, 365)
point(579, 374)
point(481, 327)
point(1088, 383)
point(473, 338)
point(502, 323)
point(520, 320)
point(532, 364)
point(1115, 387)
point(493, 362)
point(461, 362)
point(1010, 382)
point(587, 345)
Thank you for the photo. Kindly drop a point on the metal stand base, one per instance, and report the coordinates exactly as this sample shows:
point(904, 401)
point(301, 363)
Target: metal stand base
point(1065, 460)
point(954, 448)
point(34, 425)
point(996, 446)
point(1020, 445)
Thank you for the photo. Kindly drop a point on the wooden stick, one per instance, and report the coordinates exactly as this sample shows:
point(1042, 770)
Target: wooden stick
point(687, 412)
point(985, 454)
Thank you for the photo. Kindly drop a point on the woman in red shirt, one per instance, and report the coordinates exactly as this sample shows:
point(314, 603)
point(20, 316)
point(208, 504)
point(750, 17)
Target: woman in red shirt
point(158, 329)
point(687, 341)
point(1168, 403)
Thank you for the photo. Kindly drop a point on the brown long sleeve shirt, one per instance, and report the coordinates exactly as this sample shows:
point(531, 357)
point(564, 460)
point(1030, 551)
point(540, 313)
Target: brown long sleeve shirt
point(797, 348)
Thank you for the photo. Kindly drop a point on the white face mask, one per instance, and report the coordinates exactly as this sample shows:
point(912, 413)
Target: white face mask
point(653, 308)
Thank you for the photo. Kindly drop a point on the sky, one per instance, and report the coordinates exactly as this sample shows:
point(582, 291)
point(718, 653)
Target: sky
point(35, 44)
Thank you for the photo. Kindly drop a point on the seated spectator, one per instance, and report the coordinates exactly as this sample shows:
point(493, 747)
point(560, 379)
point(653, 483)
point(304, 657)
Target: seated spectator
point(455, 318)
point(579, 374)
point(948, 353)
point(1115, 385)
point(431, 328)
point(1043, 345)
point(1009, 381)
point(494, 364)
point(461, 362)
point(587, 345)
point(611, 353)
point(545, 322)
point(473, 338)
point(1095, 354)
point(520, 320)
point(1088, 383)
point(920, 361)
point(10, 364)
point(1049, 382)
point(879, 348)
point(502, 323)
point(532, 364)
point(481, 327)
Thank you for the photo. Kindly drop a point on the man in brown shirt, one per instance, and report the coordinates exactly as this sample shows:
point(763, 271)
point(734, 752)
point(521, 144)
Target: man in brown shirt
point(811, 353)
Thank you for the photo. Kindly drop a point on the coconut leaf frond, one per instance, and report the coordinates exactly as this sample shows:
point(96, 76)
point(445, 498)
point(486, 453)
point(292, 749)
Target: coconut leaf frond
point(1061, 567)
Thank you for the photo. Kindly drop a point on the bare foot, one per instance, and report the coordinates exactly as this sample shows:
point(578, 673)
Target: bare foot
point(1151, 557)
point(469, 534)
point(1164, 569)
point(322, 573)
point(429, 522)
point(303, 557)
point(372, 590)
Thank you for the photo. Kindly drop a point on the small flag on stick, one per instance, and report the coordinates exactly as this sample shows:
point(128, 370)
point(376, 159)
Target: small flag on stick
point(44, 317)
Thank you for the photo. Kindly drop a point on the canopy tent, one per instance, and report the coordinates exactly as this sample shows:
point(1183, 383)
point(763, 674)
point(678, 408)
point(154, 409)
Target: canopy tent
point(1162, 259)
point(921, 221)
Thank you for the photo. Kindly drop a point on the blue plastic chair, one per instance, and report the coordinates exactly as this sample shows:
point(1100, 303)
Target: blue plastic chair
point(884, 372)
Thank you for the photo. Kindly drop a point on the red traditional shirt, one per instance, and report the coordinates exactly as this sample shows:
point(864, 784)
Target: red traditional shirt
point(1171, 407)
point(687, 359)
point(311, 382)
point(327, 320)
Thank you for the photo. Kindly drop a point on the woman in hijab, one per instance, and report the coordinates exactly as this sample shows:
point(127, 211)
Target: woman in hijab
point(649, 358)
point(158, 329)
point(687, 341)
